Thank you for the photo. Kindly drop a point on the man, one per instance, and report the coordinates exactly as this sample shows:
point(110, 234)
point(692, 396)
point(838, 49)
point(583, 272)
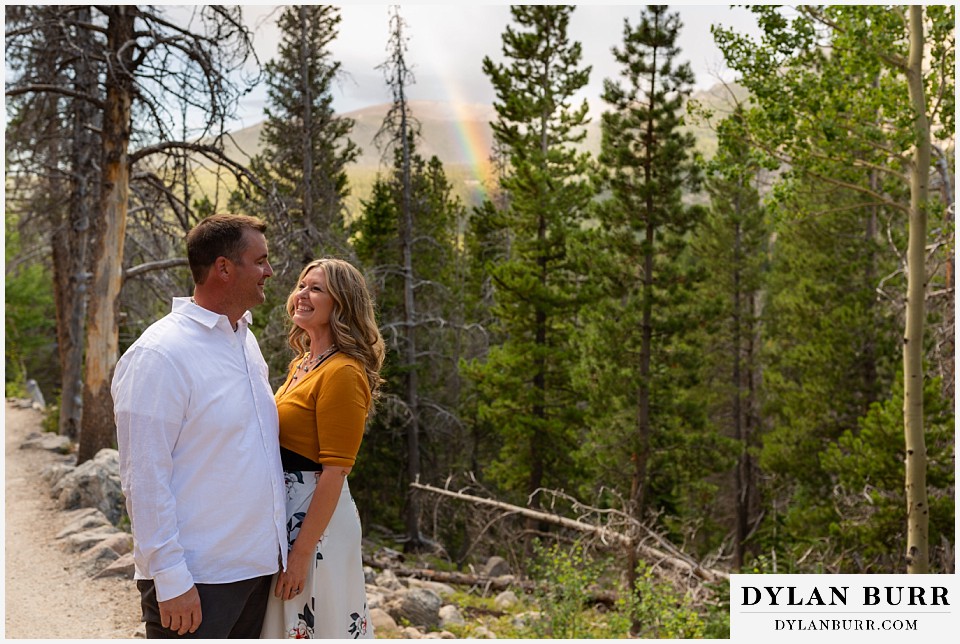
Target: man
point(197, 432)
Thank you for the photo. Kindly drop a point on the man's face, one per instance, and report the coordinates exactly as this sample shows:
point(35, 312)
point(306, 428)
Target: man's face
point(252, 270)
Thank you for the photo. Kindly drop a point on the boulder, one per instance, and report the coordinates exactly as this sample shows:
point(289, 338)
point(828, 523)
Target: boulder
point(419, 606)
point(382, 621)
point(376, 597)
point(410, 633)
point(123, 568)
point(55, 471)
point(82, 520)
point(83, 541)
point(96, 559)
point(94, 484)
point(450, 614)
point(441, 589)
point(388, 580)
point(505, 600)
point(37, 400)
point(120, 542)
point(48, 441)
point(496, 567)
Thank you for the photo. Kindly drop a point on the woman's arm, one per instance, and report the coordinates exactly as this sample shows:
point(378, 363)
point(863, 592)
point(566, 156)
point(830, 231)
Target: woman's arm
point(322, 506)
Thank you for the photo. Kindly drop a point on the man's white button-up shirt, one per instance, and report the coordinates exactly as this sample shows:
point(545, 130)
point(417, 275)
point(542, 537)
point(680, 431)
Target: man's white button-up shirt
point(198, 437)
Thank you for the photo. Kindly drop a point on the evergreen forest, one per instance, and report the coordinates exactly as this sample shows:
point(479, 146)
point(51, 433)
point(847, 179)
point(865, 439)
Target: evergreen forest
point(636, 367)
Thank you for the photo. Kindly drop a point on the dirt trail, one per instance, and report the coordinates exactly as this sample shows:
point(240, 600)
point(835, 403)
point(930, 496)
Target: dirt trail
point(45, 595)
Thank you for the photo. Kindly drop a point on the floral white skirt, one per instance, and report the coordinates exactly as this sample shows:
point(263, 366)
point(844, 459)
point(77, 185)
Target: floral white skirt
point(334, 601)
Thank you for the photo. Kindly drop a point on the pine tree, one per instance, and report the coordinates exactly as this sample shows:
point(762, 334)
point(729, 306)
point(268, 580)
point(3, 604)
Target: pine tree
point(523, 385)
point(306, 148)
point(637, 367)
point(819, 323)
point(732, 249)
point(867, 500)
point(302, 164)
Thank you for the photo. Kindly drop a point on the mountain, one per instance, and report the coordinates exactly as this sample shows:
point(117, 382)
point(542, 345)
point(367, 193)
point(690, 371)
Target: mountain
point(460, 136)
point(447, 131)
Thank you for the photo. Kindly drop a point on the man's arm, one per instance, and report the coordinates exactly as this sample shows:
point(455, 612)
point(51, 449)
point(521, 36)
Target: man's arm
point(150, 401)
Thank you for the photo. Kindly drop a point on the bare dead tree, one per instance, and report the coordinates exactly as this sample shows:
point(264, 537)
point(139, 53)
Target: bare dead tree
point(398, 132)
point(147, 61)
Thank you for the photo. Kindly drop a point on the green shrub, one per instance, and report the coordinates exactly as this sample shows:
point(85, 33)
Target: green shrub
point(662, 611)
point(565, 580)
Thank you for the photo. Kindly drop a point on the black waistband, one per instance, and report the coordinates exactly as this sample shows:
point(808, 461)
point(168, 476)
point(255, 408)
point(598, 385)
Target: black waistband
point(293, 462)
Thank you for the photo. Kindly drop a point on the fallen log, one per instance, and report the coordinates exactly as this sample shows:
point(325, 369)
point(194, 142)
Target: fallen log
point(674, 559)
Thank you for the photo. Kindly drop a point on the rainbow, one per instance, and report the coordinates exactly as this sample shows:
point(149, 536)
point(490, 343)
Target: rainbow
point(472, 137)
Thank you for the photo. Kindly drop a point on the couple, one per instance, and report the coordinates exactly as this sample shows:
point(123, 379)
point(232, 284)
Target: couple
point(236, 533)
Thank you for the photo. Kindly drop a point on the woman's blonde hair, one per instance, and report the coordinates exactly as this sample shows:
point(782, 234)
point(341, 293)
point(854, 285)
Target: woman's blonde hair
point(352, 319)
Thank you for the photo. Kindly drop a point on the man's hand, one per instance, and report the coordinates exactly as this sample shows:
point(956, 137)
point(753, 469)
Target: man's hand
point(182, 614)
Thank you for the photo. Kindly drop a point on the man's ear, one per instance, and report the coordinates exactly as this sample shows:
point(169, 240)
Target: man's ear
point(222, 268)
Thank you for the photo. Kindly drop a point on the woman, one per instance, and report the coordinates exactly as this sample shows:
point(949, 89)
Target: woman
point(323, 406)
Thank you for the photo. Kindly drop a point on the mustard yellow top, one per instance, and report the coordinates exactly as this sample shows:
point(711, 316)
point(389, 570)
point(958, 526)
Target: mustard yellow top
point(322, 417)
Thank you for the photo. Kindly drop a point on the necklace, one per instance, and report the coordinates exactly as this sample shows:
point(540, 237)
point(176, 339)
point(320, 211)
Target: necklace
point(311, 362)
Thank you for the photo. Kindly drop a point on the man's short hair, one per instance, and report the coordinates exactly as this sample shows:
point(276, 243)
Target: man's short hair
point(219, 235)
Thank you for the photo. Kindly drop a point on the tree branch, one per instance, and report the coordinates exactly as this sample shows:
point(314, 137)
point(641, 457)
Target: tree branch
point(157, 265)
point(43, 88)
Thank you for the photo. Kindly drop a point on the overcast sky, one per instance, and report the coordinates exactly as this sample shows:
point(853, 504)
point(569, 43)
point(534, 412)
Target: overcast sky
point(447, 44)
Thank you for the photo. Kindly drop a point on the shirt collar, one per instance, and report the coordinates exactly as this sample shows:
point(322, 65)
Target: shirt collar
point(186, 306)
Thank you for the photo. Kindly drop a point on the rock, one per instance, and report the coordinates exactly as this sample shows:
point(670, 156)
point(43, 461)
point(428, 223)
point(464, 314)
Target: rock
point(83, 541)
point(506, 599)
point(387, 579)
point(120, 542)
point(369, 575)
point(450, 614)
point(443, 590)
point(123, 567)
point(440, 635)
point(419, 606)
point(521, 621)
point(48, 441)
point(410, 633)
point(96, 559)
point(375, 598)
point(82, 520)
point(94, 484)
point(36, 395)
point(482, 632)
point(496, 567)
point(55, 471)
point(382, 621)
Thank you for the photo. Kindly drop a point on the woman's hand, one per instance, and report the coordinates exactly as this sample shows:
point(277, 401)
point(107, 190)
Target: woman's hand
point(292, 581)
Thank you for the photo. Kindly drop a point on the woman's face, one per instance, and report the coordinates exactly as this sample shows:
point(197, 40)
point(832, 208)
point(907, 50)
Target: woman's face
point(312, 302)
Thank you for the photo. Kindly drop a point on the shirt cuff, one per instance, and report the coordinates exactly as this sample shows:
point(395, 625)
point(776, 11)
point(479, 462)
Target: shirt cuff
point(172, 582)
